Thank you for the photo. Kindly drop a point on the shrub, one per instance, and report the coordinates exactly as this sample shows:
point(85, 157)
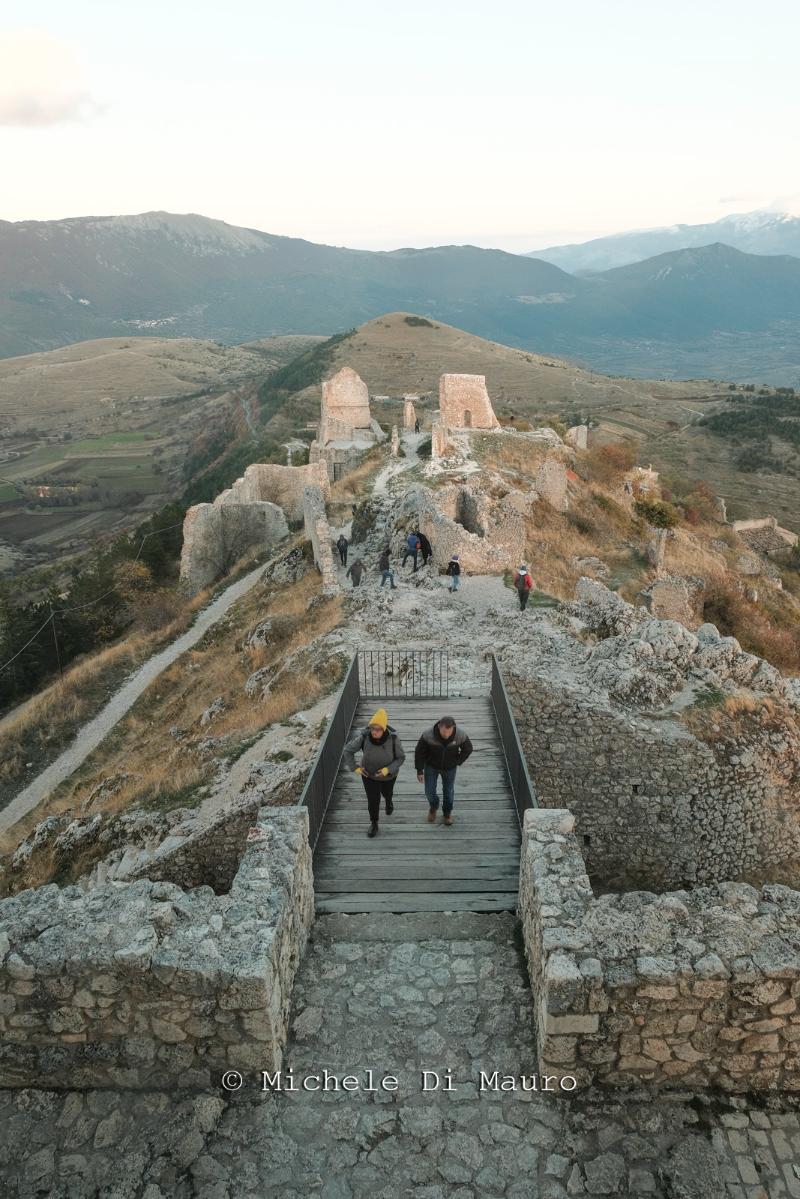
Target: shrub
point(420, 321)
point(608, 463)
point(657, 513)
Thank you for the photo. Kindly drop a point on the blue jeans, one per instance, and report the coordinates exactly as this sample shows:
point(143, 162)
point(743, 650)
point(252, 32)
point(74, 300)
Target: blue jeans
point(455, 582)
point(388, 574)
point(448, 784)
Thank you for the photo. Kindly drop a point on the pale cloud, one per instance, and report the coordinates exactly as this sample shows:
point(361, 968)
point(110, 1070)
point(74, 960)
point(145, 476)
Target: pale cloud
point(42, 81)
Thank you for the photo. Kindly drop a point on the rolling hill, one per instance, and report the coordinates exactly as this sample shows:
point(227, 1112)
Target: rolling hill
point(753, 232)
point(711, 311)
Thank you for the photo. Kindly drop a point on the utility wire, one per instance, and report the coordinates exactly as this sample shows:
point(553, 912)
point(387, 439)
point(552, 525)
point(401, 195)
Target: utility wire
point(80, 607)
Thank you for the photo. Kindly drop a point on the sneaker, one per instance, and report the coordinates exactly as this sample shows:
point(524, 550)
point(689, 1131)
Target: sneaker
point(431, 815)
point(389, 807)
point(448, 819)
point(373, 829)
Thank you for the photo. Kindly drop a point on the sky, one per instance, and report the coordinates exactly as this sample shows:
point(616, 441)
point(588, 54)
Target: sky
point(517, 124)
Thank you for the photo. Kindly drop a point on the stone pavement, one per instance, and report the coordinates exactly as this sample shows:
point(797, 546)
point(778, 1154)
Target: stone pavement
point(401, 994)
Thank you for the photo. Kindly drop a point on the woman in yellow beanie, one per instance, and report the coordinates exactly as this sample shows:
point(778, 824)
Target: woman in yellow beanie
point(381, 758)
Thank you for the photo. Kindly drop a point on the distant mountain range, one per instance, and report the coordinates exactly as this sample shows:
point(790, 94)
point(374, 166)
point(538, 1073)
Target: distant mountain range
point(712, 311)
point(752, 232)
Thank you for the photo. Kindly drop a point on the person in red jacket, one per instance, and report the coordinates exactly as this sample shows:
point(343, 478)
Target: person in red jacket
point(523, 583)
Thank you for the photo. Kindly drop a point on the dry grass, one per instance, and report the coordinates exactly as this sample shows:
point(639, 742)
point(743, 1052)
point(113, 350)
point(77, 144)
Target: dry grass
point(168, 772)
point(354, 484)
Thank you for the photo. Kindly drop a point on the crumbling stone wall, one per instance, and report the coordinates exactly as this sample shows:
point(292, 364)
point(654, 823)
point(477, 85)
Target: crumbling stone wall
point(216, 535)
point(551, 483)
point(142, 984)
point(657, 805)
point(577, 437)
point(691, 989)
point(485, 531)
point(275, 484)
point(318, 531)
point(464, 403)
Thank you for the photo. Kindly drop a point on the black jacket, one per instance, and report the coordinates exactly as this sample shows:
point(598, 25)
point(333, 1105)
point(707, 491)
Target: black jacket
point(453, 568)
point(425, 545)
point(433, 750)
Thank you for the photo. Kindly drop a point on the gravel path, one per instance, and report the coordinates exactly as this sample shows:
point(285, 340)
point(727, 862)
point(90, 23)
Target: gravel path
point(120, 703)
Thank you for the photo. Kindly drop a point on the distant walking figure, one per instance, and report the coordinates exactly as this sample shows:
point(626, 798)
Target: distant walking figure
point(382, 756)
point(454, 571)
point(411, 550)
point(425, 548)
point(385, 567)
point(523, 583)
point(355, 572)
point(440, 751)
point(341, 546)
point(416, 426)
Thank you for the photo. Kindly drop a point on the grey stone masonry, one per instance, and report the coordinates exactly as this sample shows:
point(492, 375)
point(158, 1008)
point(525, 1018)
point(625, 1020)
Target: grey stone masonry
point(133, 985)
point(694, 989)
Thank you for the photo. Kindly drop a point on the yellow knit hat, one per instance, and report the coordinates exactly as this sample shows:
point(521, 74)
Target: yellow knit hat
point(380, 718)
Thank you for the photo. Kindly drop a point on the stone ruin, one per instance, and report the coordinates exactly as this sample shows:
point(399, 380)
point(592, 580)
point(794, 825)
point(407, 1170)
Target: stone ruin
point(318, 532)
point(676, 597)
point(254, 513)
point(395, 446)
point(464, 403)
point(281, 485)
point(147, 985)
point(346, 428)
point(215, 536)
point(765, 535)
point(410, 411)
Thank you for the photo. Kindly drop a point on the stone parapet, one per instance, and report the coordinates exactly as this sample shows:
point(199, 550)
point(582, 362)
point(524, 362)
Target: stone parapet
point(692, 989)
point(143, 984)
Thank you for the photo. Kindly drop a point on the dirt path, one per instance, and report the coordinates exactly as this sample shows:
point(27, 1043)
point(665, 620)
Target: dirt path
point(120, 703)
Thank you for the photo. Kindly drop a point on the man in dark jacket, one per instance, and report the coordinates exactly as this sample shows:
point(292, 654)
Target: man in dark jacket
point(355, 571)
point(341, 546)
point(440, 751)
point(425, 547)
point(382, 756)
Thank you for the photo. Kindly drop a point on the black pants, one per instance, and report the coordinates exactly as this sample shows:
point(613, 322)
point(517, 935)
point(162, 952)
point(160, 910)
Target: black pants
point(343, 555)
point(410, 554)
point(523, 599)
point(375, 788)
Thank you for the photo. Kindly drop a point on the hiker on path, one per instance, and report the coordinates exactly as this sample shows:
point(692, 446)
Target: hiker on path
point(341, 546)
point(425, 547)
point(385, 567)
point(440, 751)
point(355, 572)
point(382, 755)
point(411, 550)
point(454, 571)
point(523, 583)
point(416, 426)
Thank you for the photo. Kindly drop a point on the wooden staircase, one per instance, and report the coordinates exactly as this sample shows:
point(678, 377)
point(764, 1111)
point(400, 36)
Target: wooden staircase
point(413, 866)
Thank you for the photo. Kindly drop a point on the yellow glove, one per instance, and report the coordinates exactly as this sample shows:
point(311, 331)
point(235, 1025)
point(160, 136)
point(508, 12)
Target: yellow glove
point(384, 771)
point(359, 770)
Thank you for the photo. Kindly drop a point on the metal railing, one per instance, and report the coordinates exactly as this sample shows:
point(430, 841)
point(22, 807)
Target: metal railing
point(404, 673)
point(322, 776)
point(521, 785)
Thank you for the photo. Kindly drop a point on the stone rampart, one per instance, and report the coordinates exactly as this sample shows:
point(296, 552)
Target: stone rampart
point(693, 989)
point(143, 984)
point(215, 536)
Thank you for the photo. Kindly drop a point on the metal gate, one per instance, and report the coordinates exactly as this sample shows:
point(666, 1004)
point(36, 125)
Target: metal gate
point(404, 673)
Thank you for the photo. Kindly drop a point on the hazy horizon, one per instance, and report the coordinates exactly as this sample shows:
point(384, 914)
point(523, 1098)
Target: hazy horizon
point(379, 130)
